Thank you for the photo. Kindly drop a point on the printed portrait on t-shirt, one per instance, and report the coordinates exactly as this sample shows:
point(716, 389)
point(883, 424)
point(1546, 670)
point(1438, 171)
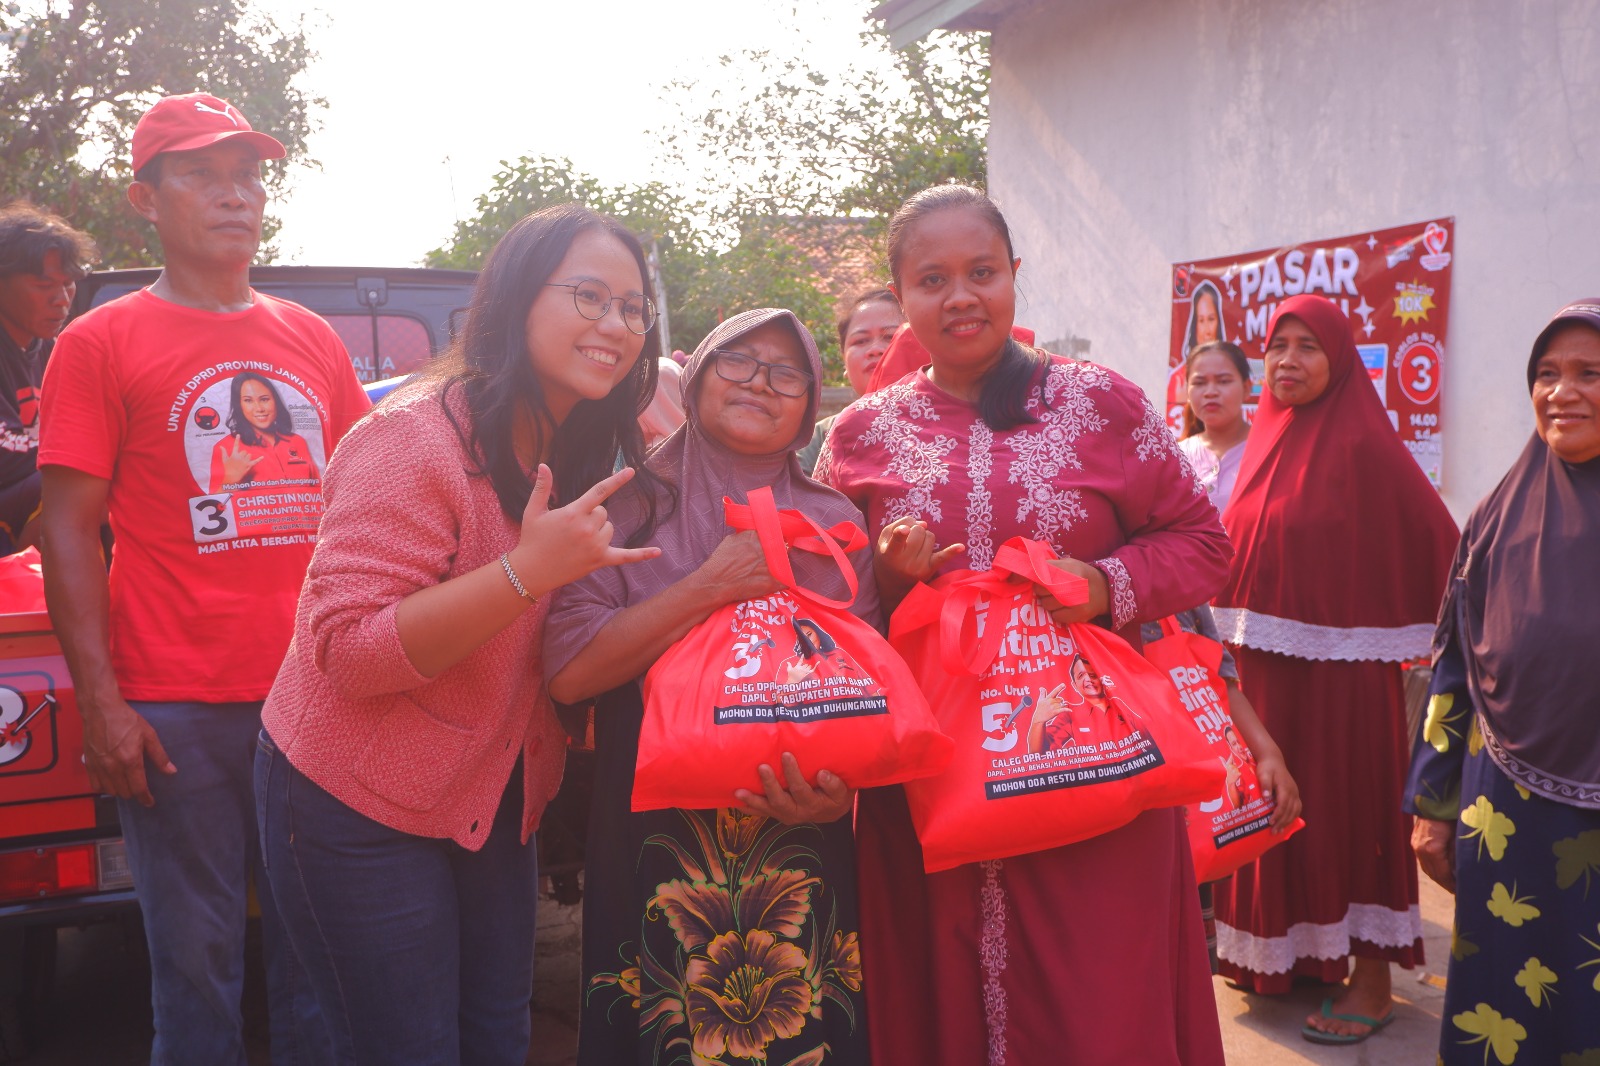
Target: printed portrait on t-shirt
point(262, 444)
point(254, 445)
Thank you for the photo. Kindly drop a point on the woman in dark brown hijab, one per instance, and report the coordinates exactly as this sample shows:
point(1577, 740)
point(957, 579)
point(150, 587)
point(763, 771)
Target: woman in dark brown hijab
point(1505, 776)
point(730, 933)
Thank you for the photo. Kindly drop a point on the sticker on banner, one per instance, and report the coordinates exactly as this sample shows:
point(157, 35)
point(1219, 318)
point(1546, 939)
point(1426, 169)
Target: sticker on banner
point(1417, 364)
point(1412, 302)
point(1375, 357)
point(1434, 238)
point(1395, 254)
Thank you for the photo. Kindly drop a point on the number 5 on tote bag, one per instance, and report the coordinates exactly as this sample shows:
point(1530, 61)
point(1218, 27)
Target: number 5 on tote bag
point(1061, 732)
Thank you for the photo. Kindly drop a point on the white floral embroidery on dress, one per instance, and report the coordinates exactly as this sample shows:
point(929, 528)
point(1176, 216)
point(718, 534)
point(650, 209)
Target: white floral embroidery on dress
point(823, 471)
point(1045, 454)
point(992, 955)
point(1154, 440)
point(919, 463)
point(980, 507)
point(1123, 603)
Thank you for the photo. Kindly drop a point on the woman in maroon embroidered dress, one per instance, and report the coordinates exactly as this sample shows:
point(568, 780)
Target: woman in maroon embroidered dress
point(1343, 550)
point(1092, 953)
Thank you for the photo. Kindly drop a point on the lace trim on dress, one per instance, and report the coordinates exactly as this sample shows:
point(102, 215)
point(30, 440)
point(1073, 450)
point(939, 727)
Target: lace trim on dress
point(1123, 603)
point(1572, 793)
point(1265, 632)
point(1370, 923)
point(992, 955)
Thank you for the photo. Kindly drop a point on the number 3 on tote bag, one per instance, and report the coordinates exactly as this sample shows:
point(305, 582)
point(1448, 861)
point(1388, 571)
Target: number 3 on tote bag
point(793, 671)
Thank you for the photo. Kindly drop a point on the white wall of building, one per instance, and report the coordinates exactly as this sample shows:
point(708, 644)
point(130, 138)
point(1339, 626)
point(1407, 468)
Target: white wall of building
point(1126, 136)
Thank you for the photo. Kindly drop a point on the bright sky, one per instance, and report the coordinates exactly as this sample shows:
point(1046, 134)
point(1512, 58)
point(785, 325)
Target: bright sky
point(423, 96)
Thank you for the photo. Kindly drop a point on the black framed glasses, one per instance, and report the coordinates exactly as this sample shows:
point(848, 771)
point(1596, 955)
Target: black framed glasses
point(593, 299)
point(741, 369)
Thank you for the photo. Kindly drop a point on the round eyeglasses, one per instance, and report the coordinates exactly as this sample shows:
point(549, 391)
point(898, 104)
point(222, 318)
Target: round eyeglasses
point(741, 369)
point(593, 299)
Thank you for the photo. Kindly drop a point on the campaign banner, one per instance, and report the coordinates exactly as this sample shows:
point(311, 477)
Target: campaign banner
point(1394, 286)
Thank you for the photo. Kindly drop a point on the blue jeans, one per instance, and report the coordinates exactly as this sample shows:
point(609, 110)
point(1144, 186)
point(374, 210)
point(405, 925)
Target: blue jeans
point(193, 855)
point(419, 950)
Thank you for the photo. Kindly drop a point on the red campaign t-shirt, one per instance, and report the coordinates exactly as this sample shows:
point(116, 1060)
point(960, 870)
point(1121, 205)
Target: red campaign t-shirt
point(214, 430)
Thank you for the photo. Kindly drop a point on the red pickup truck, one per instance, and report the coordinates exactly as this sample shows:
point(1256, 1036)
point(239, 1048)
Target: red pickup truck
point(62, 859)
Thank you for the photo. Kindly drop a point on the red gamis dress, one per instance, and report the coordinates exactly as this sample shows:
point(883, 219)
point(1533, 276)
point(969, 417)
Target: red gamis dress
point(1343, 549)
point(1092, 953)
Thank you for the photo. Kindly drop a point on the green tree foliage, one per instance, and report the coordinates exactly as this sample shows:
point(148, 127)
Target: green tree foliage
point(765, 268)
point(703, 284)
point(777, 155)
point(520, 188)
point(75, 75)
point(779, 133)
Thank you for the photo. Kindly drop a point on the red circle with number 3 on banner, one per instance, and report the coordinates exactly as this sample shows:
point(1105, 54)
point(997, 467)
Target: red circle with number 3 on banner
point(1418, 372)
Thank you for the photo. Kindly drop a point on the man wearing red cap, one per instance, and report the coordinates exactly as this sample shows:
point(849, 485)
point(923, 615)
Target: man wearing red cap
point(173, 654)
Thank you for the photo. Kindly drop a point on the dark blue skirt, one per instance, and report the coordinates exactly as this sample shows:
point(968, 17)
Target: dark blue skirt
point(1524, 984)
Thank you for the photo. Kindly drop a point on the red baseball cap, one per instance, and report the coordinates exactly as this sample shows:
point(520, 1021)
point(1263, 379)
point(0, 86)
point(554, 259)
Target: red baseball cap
point(195, 120)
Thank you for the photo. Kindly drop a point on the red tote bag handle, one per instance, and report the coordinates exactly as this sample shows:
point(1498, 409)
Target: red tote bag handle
point(952, 600)
point(1032, 559)
point(958, 654)
point(781, 530)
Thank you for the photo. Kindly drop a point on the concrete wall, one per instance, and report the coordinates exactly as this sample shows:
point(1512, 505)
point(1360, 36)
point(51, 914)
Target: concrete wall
point(1127, 136)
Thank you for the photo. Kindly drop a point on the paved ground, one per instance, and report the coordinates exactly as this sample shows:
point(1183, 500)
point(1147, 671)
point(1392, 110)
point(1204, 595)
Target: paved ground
point(100, 1014)
point(555, 986)
point(1265, 1030)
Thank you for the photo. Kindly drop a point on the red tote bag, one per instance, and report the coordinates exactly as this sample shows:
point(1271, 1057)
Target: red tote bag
point(21, 583)
point(1061, 732)
point(793, 672)
point(1232, 826)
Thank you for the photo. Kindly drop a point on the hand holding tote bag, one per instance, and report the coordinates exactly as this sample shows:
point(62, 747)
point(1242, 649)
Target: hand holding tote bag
point(1232, 826)
point(1061, 732)
point(793, 671)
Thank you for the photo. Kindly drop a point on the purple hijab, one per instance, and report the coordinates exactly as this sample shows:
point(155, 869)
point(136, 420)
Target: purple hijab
point(1524, 603)
point(704, 472)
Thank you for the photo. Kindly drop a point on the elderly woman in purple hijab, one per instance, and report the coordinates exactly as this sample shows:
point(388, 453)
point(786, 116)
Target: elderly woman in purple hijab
point(1505, 776)
point(727, 933)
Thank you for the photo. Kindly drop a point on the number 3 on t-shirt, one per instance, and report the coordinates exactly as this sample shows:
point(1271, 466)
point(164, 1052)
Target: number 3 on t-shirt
point(212, 517)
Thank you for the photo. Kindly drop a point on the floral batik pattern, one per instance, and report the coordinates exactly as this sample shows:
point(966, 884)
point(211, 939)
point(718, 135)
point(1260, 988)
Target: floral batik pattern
point(1524, 978)
point(741, 952)
point(1524, 981)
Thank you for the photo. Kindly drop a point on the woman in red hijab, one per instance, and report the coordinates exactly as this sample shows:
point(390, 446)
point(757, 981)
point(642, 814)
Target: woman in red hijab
point(1343, 548)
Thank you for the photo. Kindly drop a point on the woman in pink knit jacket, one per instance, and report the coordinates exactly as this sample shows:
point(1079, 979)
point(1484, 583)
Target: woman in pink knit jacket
point(409, 749)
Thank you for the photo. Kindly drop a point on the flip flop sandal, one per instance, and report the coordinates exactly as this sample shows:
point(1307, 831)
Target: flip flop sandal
point(1317, 1036)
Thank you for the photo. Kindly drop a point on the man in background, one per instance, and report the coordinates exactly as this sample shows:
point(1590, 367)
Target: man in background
point(41, 260)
